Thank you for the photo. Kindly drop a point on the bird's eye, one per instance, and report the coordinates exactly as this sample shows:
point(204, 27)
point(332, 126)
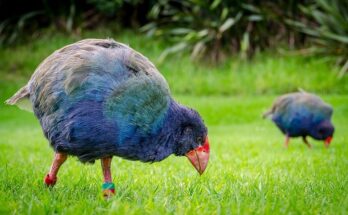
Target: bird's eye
point(199, 139)
point(187, 130)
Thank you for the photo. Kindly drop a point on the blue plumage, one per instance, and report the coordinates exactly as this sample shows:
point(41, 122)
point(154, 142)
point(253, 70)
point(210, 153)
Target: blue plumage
point(302, 114)
point(98, 98)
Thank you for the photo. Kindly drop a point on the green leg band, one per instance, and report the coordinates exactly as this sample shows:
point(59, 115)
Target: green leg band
point(108, 186)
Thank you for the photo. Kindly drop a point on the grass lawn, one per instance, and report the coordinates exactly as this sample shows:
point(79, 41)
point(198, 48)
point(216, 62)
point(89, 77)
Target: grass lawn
point(249, 171)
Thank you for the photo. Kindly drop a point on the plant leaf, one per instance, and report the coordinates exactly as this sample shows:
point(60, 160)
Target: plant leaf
point(215, 4)
point(227, 24)
point(173, 49)
point(180, 31)
point(255, 18)
point(198, 49)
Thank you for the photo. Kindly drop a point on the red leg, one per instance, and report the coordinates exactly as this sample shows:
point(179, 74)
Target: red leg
point(287, 139)
point(51, 177)
point(108, 186)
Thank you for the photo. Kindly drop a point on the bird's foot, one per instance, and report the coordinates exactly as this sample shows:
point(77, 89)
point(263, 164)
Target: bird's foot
point(49, 181)
point(108, 189)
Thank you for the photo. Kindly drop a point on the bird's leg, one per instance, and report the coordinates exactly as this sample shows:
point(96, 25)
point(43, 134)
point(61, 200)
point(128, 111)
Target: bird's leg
point(108, 186)
point(287, 139)
point(305, 141)
point(51, 177)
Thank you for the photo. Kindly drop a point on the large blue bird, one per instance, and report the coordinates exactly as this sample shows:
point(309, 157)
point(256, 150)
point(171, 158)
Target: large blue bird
point(302, 114)
point(99, 98)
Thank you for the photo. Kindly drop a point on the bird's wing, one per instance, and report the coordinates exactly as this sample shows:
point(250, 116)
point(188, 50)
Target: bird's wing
point(134, 94)
point(138, 106)
point(317, 106)
point(327, 110)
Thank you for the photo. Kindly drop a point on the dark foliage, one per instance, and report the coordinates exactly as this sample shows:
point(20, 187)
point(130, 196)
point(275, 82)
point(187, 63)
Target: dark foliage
point(212, 28)
point(209, 29)
point(327, 26)
point(19, 19)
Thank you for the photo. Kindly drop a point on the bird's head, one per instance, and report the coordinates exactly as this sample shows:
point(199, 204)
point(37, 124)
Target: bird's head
point(192, 140)
point(323, 131)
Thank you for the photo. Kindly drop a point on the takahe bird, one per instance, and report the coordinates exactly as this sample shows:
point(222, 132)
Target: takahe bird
point(302, 114)
point(99, 98)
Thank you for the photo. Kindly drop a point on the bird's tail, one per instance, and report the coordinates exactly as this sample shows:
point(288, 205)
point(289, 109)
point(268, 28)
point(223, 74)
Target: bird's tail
point(21, 99)
point(268, 113)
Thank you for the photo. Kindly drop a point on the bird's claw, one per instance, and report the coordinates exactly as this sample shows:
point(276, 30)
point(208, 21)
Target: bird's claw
point(50, 182)
point(108, 189)
point(108, 193)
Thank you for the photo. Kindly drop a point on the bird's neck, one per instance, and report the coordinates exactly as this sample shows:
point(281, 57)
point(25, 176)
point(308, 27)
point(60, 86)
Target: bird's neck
point(165, 141)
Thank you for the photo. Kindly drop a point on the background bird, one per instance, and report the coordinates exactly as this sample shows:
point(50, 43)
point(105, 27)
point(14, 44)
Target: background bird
point(99, 98)
point(302, 114)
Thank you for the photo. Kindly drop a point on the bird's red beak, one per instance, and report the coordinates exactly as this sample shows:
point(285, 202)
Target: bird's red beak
point(199, 156)
point(327, 142)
